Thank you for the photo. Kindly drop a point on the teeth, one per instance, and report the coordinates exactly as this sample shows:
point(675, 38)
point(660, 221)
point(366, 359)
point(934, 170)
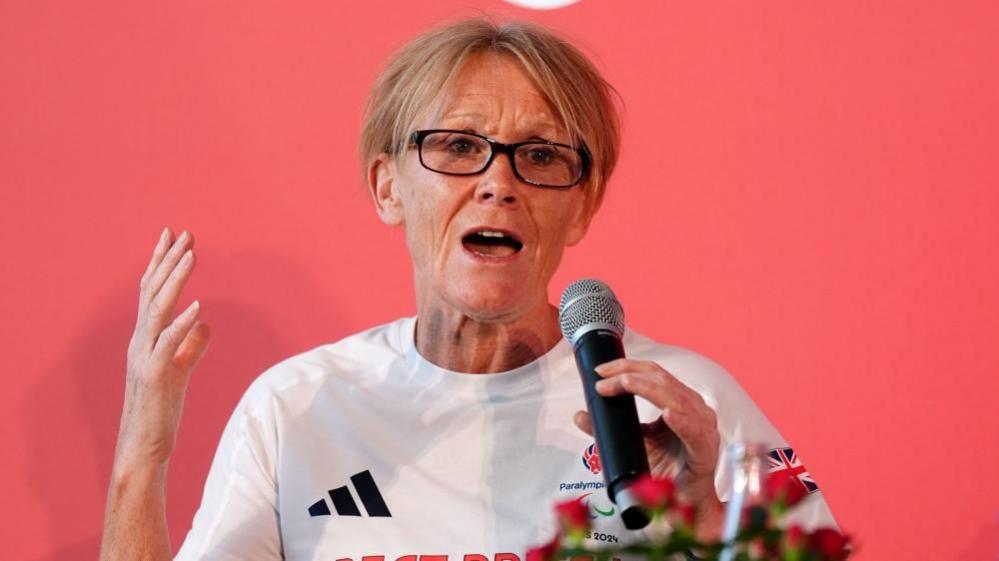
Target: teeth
point(491, 234)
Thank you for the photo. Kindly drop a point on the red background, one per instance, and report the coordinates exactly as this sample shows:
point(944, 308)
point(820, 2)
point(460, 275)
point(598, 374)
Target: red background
point(807, 194)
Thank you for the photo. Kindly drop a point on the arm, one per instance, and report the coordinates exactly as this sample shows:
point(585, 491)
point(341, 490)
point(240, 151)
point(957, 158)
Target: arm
point(700, 431)
point(135, 525)
point(161, 356)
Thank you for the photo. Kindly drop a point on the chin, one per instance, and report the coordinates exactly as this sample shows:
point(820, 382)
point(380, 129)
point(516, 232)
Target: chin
point(490, 301)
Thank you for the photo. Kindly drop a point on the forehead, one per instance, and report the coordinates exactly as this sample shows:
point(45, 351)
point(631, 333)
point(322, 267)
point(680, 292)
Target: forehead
point(493, 94)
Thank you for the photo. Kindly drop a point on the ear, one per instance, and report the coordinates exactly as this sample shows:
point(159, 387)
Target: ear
point(579, 222)
point(384, 192)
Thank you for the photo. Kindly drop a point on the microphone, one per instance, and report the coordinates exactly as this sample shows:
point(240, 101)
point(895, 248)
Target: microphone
point(593, 322)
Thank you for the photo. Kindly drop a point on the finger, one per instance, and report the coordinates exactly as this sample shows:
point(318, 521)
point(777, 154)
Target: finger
point(184, 242)
point(161, 308)
point(696, 426)
point(169, 339)
point(655, 372)
point(166, 237)
point(192, 349)
point(651, 386)
point(619, 365)
point(583, 421)
point(684, 411)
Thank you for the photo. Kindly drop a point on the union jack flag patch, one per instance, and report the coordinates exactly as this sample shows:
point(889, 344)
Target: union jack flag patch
point(785, 460)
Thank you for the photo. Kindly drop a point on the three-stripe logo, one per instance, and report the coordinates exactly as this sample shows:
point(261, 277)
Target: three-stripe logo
point(343, 502)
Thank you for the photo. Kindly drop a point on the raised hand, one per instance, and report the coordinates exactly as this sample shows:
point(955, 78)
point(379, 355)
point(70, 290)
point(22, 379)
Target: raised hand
point(162, 354)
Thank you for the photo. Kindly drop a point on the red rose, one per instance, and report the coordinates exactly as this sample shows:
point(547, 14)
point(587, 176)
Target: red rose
point(654, 494)
point(573, 515)
point(795, 538)
point(830, 542)
point(682, 516)
point(545, 552)
point(687, 514)
point(779, 487)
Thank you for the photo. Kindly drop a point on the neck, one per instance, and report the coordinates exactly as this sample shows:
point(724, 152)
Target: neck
point(455, 341)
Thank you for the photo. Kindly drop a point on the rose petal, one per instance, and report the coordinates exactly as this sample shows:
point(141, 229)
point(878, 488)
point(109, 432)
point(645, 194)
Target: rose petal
point(795, 538)
point(573, 515)
point(830, 542)
point(781, 487)
point(545, 552)
point(654, 493)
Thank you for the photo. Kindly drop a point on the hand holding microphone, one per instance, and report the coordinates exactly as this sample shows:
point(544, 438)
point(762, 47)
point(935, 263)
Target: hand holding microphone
point(593, 322)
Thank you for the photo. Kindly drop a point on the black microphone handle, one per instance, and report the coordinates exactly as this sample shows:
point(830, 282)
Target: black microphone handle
point(615, 419)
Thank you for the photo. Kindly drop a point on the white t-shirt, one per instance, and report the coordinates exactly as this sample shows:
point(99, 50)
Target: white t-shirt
point(364, 450)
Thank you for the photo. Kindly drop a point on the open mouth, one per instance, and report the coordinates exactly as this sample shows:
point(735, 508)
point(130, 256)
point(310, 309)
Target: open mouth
point(491, 243)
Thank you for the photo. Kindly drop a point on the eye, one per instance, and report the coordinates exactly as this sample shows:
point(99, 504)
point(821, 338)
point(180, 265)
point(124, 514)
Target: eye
point(462, 145)
point(540, 155)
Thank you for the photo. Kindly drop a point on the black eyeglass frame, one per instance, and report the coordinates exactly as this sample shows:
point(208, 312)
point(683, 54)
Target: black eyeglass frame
point(496, 146)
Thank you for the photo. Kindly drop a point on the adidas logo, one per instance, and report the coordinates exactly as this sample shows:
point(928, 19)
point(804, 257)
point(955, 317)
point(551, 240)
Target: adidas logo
point(343, 502)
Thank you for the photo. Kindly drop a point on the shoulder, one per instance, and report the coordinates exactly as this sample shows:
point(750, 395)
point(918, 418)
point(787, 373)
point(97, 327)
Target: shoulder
point(361, 354)
point(695, 370)
point(738, 415)
point(739, 418)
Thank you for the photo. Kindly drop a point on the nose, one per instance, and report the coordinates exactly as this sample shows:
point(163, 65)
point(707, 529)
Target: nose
point(498, 184)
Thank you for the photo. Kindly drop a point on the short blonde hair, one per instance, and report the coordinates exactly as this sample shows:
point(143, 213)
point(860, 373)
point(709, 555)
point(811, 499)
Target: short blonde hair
point(416, 74)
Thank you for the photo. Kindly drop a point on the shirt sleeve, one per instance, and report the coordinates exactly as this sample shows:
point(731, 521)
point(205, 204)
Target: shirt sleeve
point(238, 516)
point(740, 419)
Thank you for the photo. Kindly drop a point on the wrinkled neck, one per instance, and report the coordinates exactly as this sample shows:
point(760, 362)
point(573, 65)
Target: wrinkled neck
point(461, 343)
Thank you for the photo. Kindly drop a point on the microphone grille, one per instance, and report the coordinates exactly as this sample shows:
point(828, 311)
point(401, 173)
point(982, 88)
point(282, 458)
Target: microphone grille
point(586, 302)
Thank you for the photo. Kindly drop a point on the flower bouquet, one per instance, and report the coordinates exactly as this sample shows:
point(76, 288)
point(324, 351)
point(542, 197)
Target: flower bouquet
point(757, 527)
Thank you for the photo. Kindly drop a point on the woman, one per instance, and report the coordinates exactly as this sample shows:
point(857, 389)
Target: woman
point(447, 434)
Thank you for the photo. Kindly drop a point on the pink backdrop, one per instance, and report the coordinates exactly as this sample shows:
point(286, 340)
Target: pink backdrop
point(807, 194)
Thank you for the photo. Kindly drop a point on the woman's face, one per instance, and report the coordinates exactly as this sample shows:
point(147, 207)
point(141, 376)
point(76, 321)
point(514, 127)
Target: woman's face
point(484, 277)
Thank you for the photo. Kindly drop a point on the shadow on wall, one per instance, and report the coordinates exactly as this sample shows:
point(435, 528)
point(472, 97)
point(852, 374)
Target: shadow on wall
point(72, 412)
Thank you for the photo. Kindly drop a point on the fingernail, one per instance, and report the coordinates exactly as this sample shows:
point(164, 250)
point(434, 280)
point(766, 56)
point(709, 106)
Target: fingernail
point(163, 234)
point(599, 369)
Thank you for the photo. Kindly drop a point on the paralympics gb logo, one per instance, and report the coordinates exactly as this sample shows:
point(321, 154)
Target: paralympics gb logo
point(591, 458)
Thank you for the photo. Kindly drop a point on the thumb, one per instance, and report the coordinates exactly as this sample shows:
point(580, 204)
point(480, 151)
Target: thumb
point(583, 421)
point(192, 349)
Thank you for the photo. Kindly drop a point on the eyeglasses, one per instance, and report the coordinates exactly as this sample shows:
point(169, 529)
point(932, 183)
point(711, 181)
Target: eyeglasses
point(538, 162)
